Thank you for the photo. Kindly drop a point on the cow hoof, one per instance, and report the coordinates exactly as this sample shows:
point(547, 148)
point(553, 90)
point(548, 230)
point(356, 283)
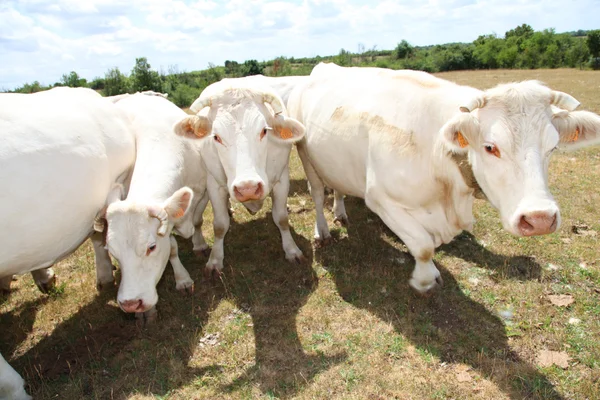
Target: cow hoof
point(146, 318)
point(46, 287)
point(297, 258)
point(322, 242)
point(186, 287)
point(202, 252)
point(100, 286)
point(212, 274)
point(342, 220)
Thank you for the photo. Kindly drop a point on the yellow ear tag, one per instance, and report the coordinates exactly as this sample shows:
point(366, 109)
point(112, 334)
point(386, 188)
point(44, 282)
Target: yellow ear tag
point(575, 136)
point(179, 213)
point(286, 133)
point(462, 142)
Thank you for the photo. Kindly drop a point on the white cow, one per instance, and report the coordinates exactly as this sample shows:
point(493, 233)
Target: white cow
point(391, 137)
point(246, 153)
point(64, 153)
point(167, 192)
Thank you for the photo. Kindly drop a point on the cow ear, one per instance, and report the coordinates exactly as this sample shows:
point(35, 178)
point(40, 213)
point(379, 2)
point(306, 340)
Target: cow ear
point(193, 127)
point(177, 205)
point(577, 128)
point(116, 193)
point(287, 130)
point(460, 132)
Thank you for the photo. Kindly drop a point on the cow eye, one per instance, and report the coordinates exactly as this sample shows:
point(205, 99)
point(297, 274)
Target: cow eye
point(263, 133)
point(491, 149)
point(151, 248)
point(218, 139)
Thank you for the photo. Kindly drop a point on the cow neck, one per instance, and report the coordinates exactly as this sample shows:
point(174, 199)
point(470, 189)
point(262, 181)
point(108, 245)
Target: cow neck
point(462, 162)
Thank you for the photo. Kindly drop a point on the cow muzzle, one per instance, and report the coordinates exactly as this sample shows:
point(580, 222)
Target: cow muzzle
point(248, 190)
point(538, 223)
point(133, 306)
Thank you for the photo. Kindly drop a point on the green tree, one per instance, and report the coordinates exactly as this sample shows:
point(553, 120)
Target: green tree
point(523, 31)
point(577, 54)
point(97, 83)
point(232, 68)
point(73, 80)
point(487, 49)
point(404, 50)
point(251, 67)
point(344, 58)
point(143, 77)
point(33, 87)
point(593, 43)
point(115, 82)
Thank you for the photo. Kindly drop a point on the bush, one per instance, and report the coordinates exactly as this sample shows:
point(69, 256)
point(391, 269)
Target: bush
point(184, 95)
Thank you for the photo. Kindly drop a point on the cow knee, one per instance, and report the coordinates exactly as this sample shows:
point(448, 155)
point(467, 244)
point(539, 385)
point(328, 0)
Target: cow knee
point(284, 224)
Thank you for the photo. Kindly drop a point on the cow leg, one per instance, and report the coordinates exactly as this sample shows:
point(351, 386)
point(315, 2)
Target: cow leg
point(339, 209)
point(11, 383)
point(219, 199)
point(317, 191)
point(104, 266)
point(183, 281)
point(200, 246)
point(44, 279)
point(425, 276)
point(280, 217)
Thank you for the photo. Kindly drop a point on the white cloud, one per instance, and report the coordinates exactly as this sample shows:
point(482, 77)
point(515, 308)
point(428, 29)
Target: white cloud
point(43, 39)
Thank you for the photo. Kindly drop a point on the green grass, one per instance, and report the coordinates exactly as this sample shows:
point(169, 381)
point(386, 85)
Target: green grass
point(345, 325)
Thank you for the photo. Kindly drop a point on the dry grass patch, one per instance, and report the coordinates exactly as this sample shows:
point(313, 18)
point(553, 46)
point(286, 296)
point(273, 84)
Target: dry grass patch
point(345, 325)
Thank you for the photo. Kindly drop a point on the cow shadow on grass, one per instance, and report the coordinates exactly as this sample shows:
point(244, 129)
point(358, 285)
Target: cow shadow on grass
point(100, 352)
point(271, 290)
point(17, 324)
point(467, 247)
point(448, 325)
point(97, 353)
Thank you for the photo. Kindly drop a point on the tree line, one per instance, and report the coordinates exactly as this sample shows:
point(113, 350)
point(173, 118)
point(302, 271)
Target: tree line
point(521, 47)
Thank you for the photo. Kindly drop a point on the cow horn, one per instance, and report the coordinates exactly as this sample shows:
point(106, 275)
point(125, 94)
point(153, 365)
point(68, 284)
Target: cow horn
point(161, 215)
point(274, 101)
point(477, 102)
point(99, 223)
point(563, 100)
point(201, 103)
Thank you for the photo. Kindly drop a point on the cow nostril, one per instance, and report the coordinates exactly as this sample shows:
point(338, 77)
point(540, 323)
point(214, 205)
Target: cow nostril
point(140, 305)
point(259, 189)
point(524, 225)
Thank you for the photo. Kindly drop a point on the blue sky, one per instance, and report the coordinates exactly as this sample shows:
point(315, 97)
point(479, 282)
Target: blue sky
point(41, 39)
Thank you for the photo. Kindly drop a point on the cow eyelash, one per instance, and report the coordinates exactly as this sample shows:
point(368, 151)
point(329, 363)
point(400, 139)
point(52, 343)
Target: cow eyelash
point(218, 139)
point(263, 133)
point(492, 149)
point(150, 248)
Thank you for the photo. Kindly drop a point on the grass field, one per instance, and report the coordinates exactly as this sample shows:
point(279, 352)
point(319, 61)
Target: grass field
point(345, 325)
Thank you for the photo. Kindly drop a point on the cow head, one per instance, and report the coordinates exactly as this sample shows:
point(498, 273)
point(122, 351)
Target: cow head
point(138, 237)
point(509, 133)
point(242, 124)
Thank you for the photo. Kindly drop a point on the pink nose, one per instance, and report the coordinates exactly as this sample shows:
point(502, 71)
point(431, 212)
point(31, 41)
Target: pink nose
point(132, 305)
point(248, 191)
point(537, 223)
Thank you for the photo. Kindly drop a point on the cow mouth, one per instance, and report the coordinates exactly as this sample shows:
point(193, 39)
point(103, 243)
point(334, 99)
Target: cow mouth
point(253, 206)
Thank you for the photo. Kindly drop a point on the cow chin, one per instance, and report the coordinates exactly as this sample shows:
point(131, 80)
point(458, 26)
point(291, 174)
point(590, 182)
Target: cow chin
point(253, 206)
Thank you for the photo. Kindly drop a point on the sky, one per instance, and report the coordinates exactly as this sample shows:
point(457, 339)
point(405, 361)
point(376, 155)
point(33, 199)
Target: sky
point(42, 40)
